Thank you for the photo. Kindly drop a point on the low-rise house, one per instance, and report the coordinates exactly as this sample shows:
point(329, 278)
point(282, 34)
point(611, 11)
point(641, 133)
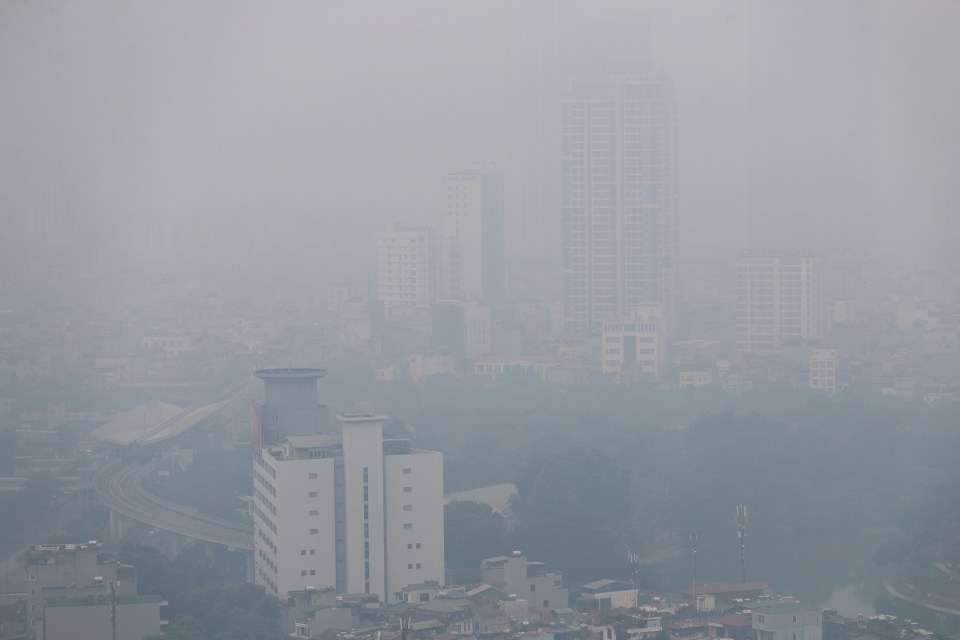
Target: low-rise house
point(527, 580)
point(606, 595)
point(736, 626)
point(787, 621)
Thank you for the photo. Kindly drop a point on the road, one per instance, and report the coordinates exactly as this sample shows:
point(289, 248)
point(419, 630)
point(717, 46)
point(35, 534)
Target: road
point(120, 487)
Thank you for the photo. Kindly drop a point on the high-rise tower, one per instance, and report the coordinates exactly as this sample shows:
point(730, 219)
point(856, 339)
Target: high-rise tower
point(619, 194)
point(473, 245)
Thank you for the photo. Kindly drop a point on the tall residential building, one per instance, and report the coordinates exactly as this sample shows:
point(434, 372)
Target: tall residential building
point(473, 249)
point(778, 301)
point(619, 195)
point(405, 270)
point(347, 509)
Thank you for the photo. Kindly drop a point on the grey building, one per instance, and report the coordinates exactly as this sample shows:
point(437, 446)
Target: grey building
point(74, 590)
point(531, 581)
point(619, 194)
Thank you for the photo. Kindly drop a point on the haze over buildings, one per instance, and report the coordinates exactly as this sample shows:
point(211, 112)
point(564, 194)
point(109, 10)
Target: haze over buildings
point(634, 257)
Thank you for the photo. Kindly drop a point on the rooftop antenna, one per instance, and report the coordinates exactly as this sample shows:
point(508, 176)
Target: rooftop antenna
point(742, 536)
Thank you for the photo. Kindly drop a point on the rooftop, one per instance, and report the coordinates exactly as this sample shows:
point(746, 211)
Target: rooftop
point(361, 417)
point(312, 441)
point(288, 373)
point(730, 587)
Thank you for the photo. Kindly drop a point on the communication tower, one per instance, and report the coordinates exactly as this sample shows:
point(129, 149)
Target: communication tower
point(742, 535)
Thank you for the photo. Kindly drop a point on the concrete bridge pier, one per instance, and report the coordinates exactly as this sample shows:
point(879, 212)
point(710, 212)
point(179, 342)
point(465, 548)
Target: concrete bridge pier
point(116, 526)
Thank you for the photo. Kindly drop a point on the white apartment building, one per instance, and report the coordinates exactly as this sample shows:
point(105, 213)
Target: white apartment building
point(635, 342)
point(778, 301)
point(787, 621)
point(406, 262)
point(348, 510)
point(473, 237)
point(530, 581)
point(823, 369)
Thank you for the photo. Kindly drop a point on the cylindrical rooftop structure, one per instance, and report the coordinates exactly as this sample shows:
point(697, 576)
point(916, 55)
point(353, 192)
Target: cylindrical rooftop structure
point(290, 405)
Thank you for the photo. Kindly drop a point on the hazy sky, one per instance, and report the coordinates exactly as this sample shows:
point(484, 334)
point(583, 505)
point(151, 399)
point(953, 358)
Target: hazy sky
point(349, 113)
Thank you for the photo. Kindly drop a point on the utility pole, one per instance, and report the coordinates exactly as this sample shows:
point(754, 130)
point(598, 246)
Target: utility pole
point(694, 546)
point(742, 535)
point(113, 608)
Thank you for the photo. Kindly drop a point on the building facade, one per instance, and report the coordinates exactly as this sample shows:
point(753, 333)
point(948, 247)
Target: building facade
point(77, 591)
point(348, 510)
point(473, 262)
point(787, 621)
point(635, 342)
point(619, 195)
point(778, 301)
point(406, 263)
point(823, 369)
point(530, 581)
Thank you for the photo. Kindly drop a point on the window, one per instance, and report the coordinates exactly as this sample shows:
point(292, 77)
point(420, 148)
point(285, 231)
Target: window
point(409, 566)
point(409, 545)
point(303, 572)
point(408, 507)
point(418, 565)
point(794, 619)
point(407, 471)
point(408, 525)
point(314, 494)
point(314, 512)
point(313, 572)
point(533, 588)
point(313, 552)
point(303, 552)
point(407, 489)
point(312, 476)
point(314, 532)
point(418, 545)
point(546, 604)
point(424, 597)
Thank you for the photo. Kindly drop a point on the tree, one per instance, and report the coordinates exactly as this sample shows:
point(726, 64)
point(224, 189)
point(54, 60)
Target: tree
point(573, 510)
point(8, 450)
point(472, 531)
point(204, 603)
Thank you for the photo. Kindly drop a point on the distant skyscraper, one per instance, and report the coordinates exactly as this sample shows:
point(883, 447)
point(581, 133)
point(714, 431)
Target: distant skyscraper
point(473, 252)
point(619, 195)
point(778, 301)
point(811, 126)
point(406, 265)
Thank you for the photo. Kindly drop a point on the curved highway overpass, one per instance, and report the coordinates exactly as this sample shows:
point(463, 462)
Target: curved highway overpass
point(120, 487)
